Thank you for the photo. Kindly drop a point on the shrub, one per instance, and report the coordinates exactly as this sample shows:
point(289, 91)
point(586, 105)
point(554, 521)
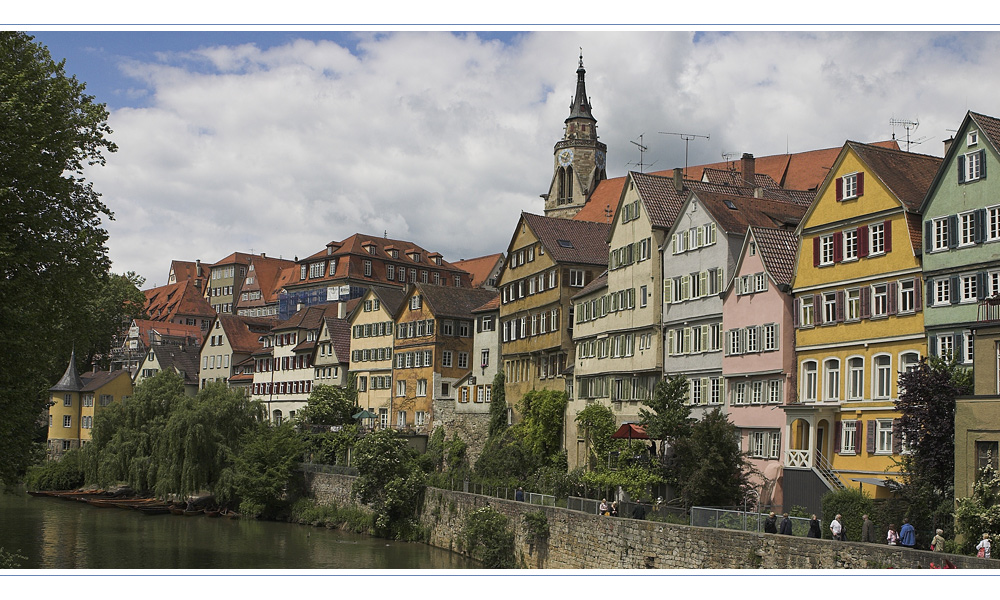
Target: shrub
point(851, 505)
point(487, 538)
point(537, 525)
point(63, 474)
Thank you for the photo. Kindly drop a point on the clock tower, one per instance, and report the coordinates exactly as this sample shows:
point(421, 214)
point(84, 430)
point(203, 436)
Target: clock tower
point(579, 158)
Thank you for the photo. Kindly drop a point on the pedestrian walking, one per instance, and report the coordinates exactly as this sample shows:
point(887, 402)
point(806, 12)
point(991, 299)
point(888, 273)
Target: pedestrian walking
point(786, 525)
point(837, 528)
point(983, 547)
point(867, 530)
point(614, 508)
point(814, 529)
point(602, 508)
point(771, 523)
point(907, 535)
point(891, 537)
point(519, 495)
point(937, 544)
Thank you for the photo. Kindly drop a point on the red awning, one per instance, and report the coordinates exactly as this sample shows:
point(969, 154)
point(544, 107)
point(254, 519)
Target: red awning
point(630, 431)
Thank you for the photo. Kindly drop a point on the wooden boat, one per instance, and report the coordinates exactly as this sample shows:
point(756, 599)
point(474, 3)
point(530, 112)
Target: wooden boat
point(213, 513)
point(176, 511)
point(191, 513)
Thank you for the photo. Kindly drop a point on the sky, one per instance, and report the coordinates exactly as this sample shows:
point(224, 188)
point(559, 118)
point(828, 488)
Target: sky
point(283, 141)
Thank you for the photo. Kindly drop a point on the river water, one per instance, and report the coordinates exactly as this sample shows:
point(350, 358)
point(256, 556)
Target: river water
point(61, 534)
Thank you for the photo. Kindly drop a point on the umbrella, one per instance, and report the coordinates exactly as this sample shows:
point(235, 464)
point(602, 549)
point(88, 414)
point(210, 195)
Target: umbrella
point(364, 414)
point(630, 431)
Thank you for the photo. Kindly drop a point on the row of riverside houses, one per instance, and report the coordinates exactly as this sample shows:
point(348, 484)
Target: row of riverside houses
point(789, 290)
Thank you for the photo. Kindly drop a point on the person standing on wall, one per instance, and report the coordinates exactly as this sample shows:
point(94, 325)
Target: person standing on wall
point(867, 530)
point(983, 547)
point(786, 525)
point(814, 529)
point(907, 535)
point(837, 528)
point(770, 523)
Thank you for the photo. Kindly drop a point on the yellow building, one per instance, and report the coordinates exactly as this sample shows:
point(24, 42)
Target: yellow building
point(371, 347)
point(76, 400)
point(858, 320)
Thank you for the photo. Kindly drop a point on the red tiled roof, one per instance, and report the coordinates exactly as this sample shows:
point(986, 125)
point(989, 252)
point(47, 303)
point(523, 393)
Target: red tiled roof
point(569, 241)
point(244, 333)
point(490, 306)
point(734, 214)
point(308, 318)
point(355, 245)
point(480, 268)
point(660, 198)
point(603, 203)
point(95, 380)
point(166, 302)
point(340, 337)
point(184, 270)
point(593, 286)
point(236, 258)
point(166, 329)
point(988, 125)
point(183, 359)
point(735, 178)
point(267, 278)
point(453, 302)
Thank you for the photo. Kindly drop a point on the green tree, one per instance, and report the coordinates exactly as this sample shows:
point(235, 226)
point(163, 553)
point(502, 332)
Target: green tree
point(267, 458)
point(329, 405)
point(979, 513)
point(927, 423)
point(498, 406)
point(390, 481)
point(670, 417)
point(709, 469)
point(541, 426)
point(598, 423)
point(53, 257)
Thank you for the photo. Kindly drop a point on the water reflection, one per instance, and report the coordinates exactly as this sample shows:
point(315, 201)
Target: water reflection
point(61, 534)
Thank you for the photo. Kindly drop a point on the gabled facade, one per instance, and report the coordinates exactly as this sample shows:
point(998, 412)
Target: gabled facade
point(371, 345)
point(859, 321)
point(699, 257)
point(961, 238)
point(759, 362)
point(74, 402)
point(333, 351)
point(226, 281)
point(258, 296)
point(143, 334)
point(579, 158)
point(485, 270)
point(432, 351)
point(231, 340)
point(549, 261)
point(180, 359)
point(182, 270)
point(181, 303)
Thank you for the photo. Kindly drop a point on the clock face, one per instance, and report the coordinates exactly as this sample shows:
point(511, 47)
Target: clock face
point(600, 159)
point(565, 157)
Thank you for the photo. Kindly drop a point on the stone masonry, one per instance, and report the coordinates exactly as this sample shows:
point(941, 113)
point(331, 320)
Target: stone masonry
point(584, 541)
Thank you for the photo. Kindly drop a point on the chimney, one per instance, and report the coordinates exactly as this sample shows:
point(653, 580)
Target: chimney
point(340, 309)
point(678, 179)
point(749, 169)
point(947, 144)
point(263, 255)
point(758, 192)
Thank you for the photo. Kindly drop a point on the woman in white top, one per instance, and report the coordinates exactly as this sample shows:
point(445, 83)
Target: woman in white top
point(892, 538)
point(983, 547)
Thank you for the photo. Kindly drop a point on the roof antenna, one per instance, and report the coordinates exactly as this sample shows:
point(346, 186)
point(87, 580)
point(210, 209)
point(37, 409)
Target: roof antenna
point(728, 157)
point(385, 233)
point(909, 126)
point(687, 137)
point(642, 151)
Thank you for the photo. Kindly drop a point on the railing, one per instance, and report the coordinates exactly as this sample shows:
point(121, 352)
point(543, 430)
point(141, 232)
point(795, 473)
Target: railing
point(826, 472)
point(625, 509)
point(721, 518)
point(798, 458)
point(989, 310)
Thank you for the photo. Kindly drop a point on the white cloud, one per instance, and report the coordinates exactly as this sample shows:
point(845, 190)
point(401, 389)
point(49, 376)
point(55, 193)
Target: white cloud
point(443, 139)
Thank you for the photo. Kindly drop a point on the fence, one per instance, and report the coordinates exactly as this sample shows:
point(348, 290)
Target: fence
point(704, 516)
point(504, 492)
point(626, 509)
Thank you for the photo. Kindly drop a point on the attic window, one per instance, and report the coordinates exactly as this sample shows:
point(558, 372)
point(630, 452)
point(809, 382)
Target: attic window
point(973, 138)
point(415, 256)
point(729, 204)
point(394, 253)
point(564, 243)
point(370, 248)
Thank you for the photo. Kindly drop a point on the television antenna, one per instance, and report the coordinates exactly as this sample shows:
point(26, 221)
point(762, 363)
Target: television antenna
point(687, 137)
point(728, 157)
point(909, 126)
point(642, 151)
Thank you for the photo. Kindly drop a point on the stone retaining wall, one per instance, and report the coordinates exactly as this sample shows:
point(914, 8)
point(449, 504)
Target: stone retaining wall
point(584, 541)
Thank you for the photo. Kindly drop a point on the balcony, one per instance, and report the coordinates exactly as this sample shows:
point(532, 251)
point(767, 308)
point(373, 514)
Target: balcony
point(989, 310)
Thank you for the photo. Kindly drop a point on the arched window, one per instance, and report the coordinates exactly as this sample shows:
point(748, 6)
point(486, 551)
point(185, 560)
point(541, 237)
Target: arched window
point(831, 380)
point(809, 382)
point(882, 378)
point(856, 378)
point(569, 185)
point(277, 417)
point(560, 185)
point(909, 361)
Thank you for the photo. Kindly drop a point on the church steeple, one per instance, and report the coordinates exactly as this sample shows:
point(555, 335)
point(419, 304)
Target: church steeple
point(580, 108)
point(579, 157)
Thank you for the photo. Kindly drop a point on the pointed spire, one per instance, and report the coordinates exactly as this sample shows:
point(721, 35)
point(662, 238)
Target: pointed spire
point(581, 105)
point(70, 381)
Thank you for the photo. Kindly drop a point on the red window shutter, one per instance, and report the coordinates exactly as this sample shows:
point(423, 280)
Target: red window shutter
point(817, 309)
point(863, 241)
point(918, 294)
point(839, 183)
point(795, 315)
point(893, 290)
point(857, 436)
point(870, 438)
point(836, 436)
point(838, 246)
point(861, 191)
point(887, 227)
point(840, 306)
point(816, 251)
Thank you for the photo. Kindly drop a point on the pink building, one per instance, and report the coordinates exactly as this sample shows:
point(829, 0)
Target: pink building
point(759, 359)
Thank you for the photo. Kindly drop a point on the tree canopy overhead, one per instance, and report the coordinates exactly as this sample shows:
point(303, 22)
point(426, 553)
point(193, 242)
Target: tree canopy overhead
point(53, 258)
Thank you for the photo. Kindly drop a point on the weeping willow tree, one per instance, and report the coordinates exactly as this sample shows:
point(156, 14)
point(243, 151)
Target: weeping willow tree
point(165, 442)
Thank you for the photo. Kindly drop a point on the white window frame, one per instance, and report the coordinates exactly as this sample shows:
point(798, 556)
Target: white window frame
point(831, 380)
point(850, 249)
point(849, 191)
point(810, 380)
point(852, 304)
point(973, 166)
point(966, 229)
point(907, 301)
point(855, 378)
point(883, 436)
point(968, 288)
point(880, 300)
point(939, 234)
point(992, 223)
point(942, 291)
point(876, 239)
point(848, 436)
point(881, 377)
point(576, 277)
point(826, 250)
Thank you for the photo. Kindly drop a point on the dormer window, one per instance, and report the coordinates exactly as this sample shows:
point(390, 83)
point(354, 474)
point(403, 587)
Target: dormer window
point(333, 266)
point(415, 256)
point(437, 260)
point(394, 253)
point(370, 248)
point(415, 302)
